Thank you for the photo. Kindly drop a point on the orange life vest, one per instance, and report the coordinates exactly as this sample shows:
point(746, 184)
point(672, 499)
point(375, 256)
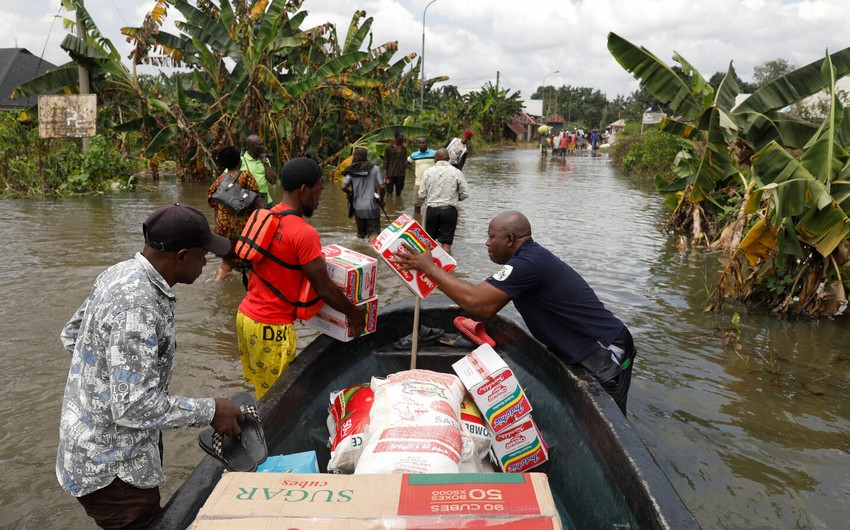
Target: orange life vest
point(252, 246)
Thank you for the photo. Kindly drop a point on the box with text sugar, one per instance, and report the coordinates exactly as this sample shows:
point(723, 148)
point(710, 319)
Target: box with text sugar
point(241, 501)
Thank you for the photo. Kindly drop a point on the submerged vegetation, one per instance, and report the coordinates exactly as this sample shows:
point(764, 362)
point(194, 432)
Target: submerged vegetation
point(760, 184)
point(252, 67)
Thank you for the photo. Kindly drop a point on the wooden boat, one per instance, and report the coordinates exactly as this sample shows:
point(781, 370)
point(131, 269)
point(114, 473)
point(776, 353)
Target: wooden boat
point(600, 472)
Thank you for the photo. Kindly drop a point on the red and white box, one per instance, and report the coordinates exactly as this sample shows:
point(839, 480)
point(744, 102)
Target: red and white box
point(493, 387)
point(353, 272)
point(335, 324)
point(406, 232)
point(519, 448)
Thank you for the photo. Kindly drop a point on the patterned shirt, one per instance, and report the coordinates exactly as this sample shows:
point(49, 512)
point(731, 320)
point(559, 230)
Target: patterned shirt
point(121, 342)
point(443, 185)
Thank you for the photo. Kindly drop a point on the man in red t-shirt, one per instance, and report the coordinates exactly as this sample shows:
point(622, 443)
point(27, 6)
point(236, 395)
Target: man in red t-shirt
point(264, 322)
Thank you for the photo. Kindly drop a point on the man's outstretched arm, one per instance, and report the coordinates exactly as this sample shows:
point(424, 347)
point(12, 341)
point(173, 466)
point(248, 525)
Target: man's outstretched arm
point(482, 300)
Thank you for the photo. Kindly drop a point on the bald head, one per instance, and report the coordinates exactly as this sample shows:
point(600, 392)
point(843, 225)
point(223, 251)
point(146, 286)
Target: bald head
point(442, 154)
point(506, 234)
point(512, 222)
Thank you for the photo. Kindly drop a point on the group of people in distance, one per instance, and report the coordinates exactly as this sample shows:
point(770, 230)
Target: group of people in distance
point(121, 340)
point(568, 142)
point(439, 185)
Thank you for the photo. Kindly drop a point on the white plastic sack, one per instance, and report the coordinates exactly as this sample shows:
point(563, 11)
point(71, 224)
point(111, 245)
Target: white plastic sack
point(414, 425)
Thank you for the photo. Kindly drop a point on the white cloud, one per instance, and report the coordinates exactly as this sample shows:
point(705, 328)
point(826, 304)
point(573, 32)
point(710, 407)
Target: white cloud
point(471, 40)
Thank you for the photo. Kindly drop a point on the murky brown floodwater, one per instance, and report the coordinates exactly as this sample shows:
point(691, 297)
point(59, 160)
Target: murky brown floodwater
point(747, 442)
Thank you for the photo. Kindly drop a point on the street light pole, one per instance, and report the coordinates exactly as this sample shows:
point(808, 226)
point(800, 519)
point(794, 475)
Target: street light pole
point(422, 72)
point(544, 89)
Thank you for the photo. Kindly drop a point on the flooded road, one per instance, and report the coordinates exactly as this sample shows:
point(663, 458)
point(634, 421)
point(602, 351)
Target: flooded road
point(758, 438)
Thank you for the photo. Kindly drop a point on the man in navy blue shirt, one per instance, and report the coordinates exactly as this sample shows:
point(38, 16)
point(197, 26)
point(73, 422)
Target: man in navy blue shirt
point(556, 303)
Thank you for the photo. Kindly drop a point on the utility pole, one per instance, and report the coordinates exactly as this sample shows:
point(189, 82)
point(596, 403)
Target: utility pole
point(497, 80)
point(83, 73)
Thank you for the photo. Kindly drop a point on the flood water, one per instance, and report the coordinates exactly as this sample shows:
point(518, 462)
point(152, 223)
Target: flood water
point(756, 438)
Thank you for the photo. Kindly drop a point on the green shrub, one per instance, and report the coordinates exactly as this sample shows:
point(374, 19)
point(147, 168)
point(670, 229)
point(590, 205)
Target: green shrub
point(649, 155)
point(35, 166)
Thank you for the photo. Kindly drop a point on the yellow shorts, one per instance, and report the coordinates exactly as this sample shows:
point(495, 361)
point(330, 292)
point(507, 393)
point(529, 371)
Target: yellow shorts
point(265, 349)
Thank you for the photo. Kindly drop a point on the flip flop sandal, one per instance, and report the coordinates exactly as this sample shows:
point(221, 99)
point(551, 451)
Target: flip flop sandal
point(474, 331)
point(228, 450)
point(252, 430)
point(456, 341)
point(426, 336)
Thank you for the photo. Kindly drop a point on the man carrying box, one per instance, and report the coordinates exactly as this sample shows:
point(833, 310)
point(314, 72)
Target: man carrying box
point(265, 327)
point(556, 303)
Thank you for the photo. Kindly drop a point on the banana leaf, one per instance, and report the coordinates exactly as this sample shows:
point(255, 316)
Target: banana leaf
point(655, 76)
point(824, 155)
point(356, 35)
point(794, 86)
point(50, 81)
point(160, 140)
point(759, 242)
point(727, 91)
point(824, 228)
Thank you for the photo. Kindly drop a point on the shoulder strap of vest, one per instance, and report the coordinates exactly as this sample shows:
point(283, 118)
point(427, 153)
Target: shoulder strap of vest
point(278, 261)
point(265, 252)
point(277, 293)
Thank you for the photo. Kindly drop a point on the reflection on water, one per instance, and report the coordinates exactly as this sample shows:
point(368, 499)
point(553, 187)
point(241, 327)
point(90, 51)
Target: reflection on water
point(756, 438)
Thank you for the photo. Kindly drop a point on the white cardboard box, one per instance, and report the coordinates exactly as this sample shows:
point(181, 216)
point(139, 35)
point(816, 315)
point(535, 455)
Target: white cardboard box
point(406, 232)
point(520, 447)
point(493, 387)
point(353, 272)
point(335, 324)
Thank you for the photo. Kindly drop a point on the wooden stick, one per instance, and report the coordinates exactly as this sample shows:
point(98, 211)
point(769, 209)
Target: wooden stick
point(414, 344)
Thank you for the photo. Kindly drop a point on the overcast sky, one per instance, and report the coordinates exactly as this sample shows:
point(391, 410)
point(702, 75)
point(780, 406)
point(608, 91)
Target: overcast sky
point(524, 41)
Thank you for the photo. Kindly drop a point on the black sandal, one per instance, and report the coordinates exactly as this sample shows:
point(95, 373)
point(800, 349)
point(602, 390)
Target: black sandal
point(426, 336)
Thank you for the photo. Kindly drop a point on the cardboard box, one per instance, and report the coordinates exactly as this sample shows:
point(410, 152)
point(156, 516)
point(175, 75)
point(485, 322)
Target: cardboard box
point(353, 272)
point(493, 387)
point(335, 324)
point(405, 231)
point(519, 448)
point(348, 502)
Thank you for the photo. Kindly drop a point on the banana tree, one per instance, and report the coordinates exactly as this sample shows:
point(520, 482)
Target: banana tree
point(798, 247)
point(303, 90)
point(788, 241)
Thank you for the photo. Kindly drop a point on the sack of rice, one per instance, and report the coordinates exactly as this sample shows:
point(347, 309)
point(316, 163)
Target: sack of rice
point(414, 425)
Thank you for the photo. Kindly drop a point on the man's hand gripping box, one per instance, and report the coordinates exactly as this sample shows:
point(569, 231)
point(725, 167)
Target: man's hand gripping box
point(406, 232)
point(335, 324)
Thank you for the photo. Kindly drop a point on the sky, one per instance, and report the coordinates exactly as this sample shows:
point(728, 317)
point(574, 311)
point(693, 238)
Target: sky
point(524, 43)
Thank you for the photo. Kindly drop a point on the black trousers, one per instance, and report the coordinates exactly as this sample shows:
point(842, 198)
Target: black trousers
point(396, 183)
point(612, 366)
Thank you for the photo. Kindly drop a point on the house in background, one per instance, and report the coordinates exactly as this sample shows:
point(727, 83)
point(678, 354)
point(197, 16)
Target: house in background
point(17, 65)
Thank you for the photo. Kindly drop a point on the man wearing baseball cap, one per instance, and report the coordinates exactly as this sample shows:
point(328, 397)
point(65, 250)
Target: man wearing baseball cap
point(122, 343)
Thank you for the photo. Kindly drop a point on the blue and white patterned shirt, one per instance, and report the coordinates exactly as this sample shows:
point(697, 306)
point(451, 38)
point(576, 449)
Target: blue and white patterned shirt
point(122, 344)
